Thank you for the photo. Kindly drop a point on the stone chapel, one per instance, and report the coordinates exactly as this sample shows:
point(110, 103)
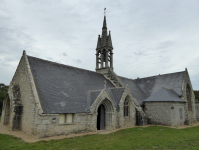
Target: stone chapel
point(47, 98)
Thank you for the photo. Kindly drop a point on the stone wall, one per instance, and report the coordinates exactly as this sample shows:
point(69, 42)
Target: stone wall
point(190, 115)
point(22, 78)
point(48, 125)
point(175, 115)
point(130, 120)
point(197, 110)
point(164, 113)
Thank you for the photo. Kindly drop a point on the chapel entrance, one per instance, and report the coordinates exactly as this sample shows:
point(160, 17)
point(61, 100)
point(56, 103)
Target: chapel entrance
point(101, 118)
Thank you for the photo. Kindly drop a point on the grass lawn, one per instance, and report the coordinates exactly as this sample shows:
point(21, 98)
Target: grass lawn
point(153, 137)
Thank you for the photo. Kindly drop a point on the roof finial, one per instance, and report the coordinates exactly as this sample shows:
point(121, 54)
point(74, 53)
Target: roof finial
point(104, 11)
point(105, 84)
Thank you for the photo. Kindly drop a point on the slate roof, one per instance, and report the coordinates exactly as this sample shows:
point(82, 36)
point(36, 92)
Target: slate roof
point(116, 95)
point(136, 91)
point(92, 95)
point(150, 85)
point(164, 95)
point(66, 89)
point(142, 88)
point(62, 88)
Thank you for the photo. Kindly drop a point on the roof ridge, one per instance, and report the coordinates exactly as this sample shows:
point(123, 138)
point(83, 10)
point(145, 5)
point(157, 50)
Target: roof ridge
point(152, 76)
point(160, 75)
point(62, 64)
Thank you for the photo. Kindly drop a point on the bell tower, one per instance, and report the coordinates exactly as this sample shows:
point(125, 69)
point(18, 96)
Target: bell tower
point(104, 51)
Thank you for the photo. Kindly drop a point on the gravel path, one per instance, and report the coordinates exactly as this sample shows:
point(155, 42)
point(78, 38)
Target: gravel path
point(29, 138)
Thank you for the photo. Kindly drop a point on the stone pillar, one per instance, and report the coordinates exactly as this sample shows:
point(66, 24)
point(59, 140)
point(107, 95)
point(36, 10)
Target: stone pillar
point(106, 59)
point(97, 60)
point(102, 60)
point(111, 60)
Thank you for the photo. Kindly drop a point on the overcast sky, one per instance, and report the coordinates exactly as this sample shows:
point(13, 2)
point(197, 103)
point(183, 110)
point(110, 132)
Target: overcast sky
point(150, 37)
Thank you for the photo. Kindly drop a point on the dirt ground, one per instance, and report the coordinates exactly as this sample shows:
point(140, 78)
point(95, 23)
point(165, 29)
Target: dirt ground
point(29, 138)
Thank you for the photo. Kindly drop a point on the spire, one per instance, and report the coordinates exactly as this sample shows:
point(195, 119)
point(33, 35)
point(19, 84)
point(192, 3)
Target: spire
point(104, 50)
point(104, 23)
point(109, 40)
point(104, 33)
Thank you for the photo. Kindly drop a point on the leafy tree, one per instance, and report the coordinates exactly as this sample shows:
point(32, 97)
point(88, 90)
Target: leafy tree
point(196, 94)
point(3, 92)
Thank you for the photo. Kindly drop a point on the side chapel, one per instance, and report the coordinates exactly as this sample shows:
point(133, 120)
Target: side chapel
point(47, 98)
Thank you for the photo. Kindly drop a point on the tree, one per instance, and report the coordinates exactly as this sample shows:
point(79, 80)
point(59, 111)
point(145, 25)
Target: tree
point(196, 94)
point(3, 92)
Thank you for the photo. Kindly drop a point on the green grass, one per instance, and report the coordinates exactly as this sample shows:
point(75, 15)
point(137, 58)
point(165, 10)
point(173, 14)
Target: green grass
point(153, 137)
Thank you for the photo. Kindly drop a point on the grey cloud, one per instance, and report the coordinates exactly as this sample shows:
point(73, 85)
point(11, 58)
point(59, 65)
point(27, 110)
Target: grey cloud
point(140, 53)
point(165, 44)
point(145, 28)
point(64, 54)
point(78, 61)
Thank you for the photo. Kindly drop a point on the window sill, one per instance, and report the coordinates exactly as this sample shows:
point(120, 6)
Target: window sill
point(126, 116)
point(66, 124)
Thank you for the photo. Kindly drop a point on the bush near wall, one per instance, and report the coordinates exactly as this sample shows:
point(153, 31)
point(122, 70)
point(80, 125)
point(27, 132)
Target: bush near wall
point(3, 92)
point(196, 94)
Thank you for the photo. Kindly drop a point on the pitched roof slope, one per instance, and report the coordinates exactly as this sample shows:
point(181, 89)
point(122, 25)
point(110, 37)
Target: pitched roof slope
point(135, 89)
point(150, 85)
point(116, 95)
point(92, 95)
point(164, 95)
point(62, 88)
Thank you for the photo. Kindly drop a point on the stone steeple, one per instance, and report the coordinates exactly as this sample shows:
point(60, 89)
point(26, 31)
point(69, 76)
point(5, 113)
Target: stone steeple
point(104, 51)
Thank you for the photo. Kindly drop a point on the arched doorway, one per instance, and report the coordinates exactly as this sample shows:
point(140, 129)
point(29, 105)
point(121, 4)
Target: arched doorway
point(101, 117)
point(7, 111)
point(188, 93)
point(104, 118)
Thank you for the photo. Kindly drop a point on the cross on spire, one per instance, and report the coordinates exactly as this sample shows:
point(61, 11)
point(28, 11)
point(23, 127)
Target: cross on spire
point(104, 11)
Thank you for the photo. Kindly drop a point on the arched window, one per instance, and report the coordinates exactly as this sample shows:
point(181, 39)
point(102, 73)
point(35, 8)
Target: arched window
point(126, 107)
point(188, 93)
